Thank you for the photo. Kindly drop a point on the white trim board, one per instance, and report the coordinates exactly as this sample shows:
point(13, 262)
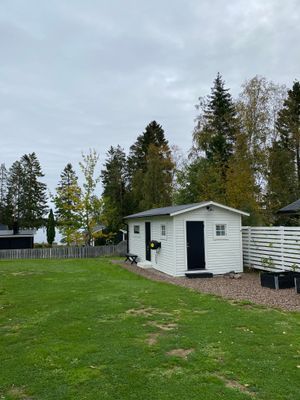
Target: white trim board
point(210, 203)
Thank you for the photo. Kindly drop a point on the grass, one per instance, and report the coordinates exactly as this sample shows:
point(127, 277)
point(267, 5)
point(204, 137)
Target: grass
point(87, 329)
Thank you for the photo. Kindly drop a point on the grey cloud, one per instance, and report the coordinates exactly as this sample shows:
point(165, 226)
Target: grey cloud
point(75, 75)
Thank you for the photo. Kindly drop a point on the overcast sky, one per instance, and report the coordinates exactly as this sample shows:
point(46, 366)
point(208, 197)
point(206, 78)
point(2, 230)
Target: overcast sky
point(79, 74)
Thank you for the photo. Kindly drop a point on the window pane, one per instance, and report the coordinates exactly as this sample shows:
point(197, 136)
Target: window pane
point(136, 229)
point(220, 230)
point(163, 230)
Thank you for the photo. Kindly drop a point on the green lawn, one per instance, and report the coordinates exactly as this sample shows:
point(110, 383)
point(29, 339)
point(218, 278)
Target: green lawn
point(87, 329)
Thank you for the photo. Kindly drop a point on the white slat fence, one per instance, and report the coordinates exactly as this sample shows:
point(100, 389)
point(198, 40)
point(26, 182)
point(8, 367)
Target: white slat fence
point(65, 252)
point(271, 248)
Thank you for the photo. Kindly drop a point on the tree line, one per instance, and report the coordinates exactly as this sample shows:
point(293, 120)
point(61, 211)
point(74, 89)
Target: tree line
point(245, 153)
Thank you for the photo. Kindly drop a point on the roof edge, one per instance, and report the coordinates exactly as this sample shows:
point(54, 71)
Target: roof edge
point(211, 203)
point(146, 216)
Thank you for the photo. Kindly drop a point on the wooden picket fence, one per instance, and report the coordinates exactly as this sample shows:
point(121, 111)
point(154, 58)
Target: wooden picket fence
point(66, 252)
point(272, 248)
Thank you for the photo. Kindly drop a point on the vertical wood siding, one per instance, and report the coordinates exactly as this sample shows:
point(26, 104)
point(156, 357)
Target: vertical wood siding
point(65, 252)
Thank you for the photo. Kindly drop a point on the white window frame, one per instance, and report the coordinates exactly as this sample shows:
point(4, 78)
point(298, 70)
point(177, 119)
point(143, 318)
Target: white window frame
point(139, 227)
point(163, 237)
point(222, 237)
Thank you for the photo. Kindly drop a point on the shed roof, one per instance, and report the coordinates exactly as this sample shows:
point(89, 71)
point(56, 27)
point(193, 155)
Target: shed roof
point(292, 208)
point(175, 210)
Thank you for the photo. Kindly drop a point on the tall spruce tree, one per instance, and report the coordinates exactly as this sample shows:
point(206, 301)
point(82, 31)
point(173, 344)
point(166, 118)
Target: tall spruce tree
point(34, 197)
point(153, 134)
point(138, 165)
point(15, 195)
point(68, 205)
point(157, 180)
point(217, 125)
point(113, 177)
point(50, 228)
point(3, 193)
point(26, 198)
point(214, 140)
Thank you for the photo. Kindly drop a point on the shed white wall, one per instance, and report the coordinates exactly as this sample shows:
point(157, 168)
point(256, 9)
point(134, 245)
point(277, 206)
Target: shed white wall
point(137, 241)
point(221, 255)
point(163, 259)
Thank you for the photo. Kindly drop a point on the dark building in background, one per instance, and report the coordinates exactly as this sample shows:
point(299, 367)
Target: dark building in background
point(15, 238)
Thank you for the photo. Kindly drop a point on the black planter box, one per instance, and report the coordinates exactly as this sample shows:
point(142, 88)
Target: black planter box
point(277, 280)
point(297, 285)
point(294, 274)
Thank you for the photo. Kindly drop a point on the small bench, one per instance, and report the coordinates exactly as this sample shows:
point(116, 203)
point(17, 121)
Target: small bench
point(131, 257)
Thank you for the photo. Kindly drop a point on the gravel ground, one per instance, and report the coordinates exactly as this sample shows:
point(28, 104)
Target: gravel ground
point(247, 288)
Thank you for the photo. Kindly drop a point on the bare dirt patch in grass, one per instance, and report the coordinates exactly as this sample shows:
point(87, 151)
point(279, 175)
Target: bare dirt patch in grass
point(182, 353)
point(243, 329)
point(25, 273)
point(233, 384)
point(18, 393)
point(168, 372)
point(215, 352)
point(145, 312)
point(152, 339)
point(200, 311)
point(163, 326)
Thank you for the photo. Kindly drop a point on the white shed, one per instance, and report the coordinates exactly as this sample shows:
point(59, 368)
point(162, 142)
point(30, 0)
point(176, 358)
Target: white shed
point(196, 238)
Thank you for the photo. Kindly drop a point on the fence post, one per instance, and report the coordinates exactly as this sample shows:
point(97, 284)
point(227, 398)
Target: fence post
point(282, 246)
point(249, 244)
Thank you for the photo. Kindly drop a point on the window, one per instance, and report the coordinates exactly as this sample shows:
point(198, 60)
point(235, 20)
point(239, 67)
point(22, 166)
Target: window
point(163, 232)
point(221, 231)
point(136, 229)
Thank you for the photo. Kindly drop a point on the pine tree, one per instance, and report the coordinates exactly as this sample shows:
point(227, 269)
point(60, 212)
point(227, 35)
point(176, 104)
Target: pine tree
point(157, 180)
point(217, 125)
point(68, 204)
point(15, 194)
point(153, 134)
point(114, 188)
point(50, 228)
point(214, 138)
point(138, 164)
point(288, 125)
point(3, 193)
point(34, 198)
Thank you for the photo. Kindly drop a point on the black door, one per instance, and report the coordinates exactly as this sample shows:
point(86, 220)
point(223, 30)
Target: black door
point(147, 240)
point(195, 245)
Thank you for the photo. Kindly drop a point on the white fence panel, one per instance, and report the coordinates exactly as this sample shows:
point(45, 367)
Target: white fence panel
point(271, 248)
